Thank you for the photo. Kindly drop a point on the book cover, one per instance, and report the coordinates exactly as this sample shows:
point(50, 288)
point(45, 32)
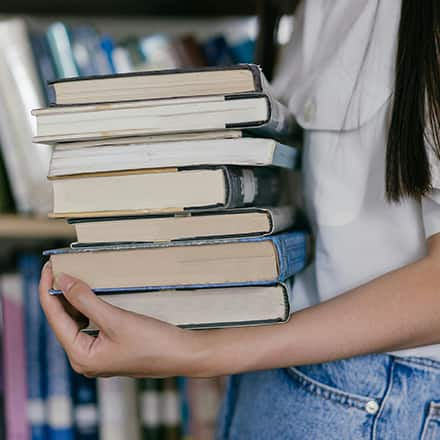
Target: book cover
point(60, 43)
point(150, 408)
point(30, 265)
point(59, 405)
point(118, 409)
point(14, 358)
point(85, 407)
point(170, 409)
point(292, 253)
point(20, 91)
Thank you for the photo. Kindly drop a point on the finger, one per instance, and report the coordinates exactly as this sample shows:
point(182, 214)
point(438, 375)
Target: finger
point(64, 327)
point(83, 299)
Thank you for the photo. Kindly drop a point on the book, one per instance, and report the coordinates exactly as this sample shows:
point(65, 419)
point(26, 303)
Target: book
point(164, 190)
point(30, 266)
point(20, 91)
point(258, 113)
point(170, 409)
point(118, 410)
point(134, 154)
point(230, 223)
point(150, 408)
point(194, 263)
point(89, 56)
point(204, 399)
point(44, 63)
point(60, 43)
point(14, 363)
point(59, 405)
point(217, 51)
point(167, 83)
point(207, 307)
point(85, 408)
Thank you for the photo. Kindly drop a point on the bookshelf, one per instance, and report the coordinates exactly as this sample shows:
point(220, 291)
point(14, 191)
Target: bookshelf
point(25, 227)
point(268, 12)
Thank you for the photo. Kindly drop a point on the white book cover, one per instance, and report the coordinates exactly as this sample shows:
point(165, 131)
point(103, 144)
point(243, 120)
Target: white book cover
point(20, 92)
point(118, 409)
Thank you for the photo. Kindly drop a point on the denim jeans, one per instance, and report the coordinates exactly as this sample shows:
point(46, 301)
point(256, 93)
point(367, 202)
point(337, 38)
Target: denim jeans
point(375, 397)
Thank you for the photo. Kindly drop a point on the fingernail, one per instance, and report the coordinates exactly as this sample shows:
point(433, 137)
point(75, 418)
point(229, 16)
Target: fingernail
point(64, 282)
point(47, 265)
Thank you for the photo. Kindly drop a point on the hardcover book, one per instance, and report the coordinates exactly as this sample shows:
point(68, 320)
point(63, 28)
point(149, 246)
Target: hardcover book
point(197, 263)
point(30, 266)
point(147, 153)
point(160, 84)
point(207, 307)
point(258, 113)
point(230, 223)
point(164, 190)
point(14, 358)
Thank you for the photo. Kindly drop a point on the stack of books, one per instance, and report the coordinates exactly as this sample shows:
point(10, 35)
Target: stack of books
point(172, 180)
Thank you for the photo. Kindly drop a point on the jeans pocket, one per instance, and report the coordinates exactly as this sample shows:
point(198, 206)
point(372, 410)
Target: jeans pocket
point(367, 404)
point(431, 426)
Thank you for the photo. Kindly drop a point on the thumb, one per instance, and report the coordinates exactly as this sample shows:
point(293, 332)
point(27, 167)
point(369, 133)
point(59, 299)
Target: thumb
point(81, 297)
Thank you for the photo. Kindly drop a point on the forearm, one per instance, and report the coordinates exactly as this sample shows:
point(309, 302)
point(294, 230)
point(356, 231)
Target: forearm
point(398, 310)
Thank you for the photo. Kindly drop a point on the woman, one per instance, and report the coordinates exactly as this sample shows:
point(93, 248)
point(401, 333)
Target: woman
point(363, 79)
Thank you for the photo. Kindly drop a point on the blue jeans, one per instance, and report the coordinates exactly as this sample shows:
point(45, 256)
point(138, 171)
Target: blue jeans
point(376, 397)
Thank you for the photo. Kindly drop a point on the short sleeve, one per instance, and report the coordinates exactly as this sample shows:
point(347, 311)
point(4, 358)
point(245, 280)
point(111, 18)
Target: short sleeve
point(431, 202)
point(431, 212)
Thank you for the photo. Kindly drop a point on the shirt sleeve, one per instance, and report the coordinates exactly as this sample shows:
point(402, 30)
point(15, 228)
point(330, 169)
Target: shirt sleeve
point(431, 202)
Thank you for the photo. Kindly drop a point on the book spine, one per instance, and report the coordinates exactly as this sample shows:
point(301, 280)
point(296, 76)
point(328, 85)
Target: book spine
point(85, 407)
point(204, 398)
point(170, 409)
point(34, 330)
point(281, 124)
point(149, 408)
point(293, 249)
point(118, 409)
point(247, 186)
point(61, 49)
point(59, 401)
point(14, 358)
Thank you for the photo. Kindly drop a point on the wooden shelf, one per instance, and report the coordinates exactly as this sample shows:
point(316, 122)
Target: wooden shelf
point(170, 8)
point(16, 227)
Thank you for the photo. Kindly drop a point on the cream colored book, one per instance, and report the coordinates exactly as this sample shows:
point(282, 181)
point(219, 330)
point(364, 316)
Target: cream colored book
point(229, 223)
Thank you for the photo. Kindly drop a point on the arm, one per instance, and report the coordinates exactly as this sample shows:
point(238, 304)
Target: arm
point(398, 310)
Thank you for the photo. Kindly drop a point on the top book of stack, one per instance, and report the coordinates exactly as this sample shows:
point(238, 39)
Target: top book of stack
point(161, 84)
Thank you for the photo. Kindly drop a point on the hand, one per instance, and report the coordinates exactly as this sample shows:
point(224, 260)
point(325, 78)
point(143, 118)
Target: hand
point(128, 344)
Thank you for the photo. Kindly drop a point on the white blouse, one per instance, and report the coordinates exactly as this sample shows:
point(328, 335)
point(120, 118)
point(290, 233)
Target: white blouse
point(337, 77)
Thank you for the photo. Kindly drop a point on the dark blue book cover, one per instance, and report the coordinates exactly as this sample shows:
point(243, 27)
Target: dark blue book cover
point(90, 56)
point(85, 403)
point(35, 345)
point(59, 391)
point(217, 52)
point(44, 62)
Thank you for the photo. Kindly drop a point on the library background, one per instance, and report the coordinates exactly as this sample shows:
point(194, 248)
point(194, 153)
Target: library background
point(41, 397)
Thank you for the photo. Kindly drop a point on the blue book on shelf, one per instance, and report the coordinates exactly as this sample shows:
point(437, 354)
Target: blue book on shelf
point(59, 392)
point(35, 331)
point(90, 57)
point(269, 260)
point(44, 62)
point(243, 51)
point(85, 407)
point(108, 46)
point(217, 52)
point(60, 44)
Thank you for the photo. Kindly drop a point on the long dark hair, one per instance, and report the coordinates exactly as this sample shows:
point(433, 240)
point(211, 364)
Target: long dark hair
point(415, 120)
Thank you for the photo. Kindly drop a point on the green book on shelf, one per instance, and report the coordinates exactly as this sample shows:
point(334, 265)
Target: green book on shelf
point(149, 408)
